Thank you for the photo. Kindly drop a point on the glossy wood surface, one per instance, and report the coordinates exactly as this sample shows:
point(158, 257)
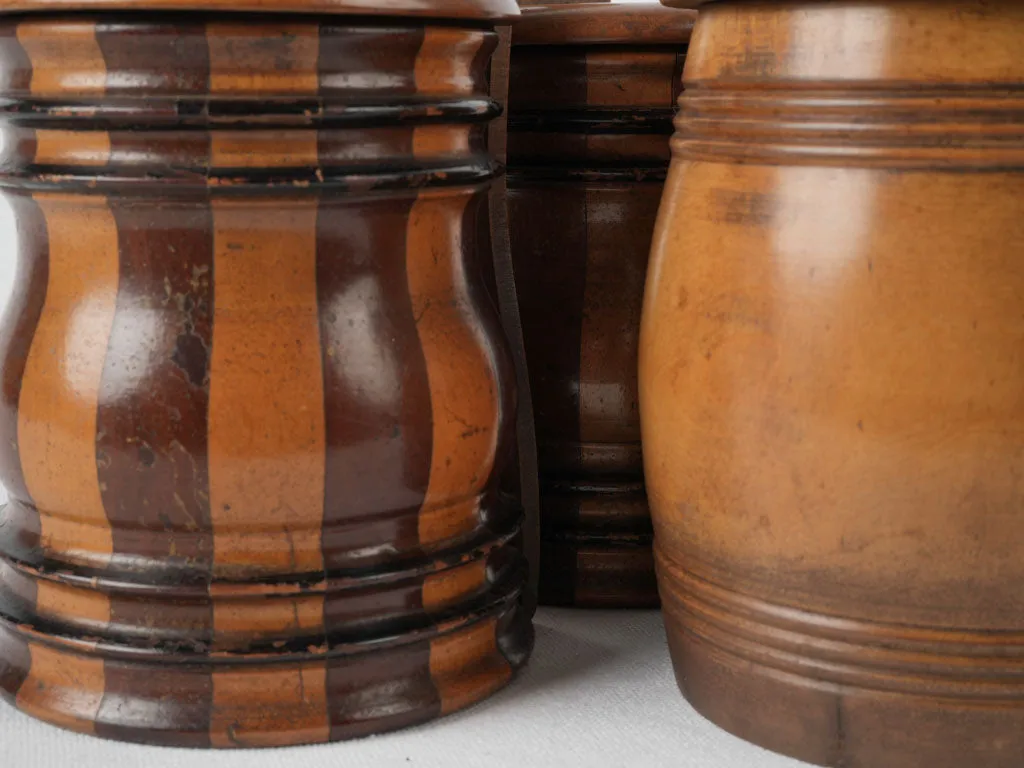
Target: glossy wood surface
point(451, 9)
point(830, 375)
point(592, 93)
point(256, 399)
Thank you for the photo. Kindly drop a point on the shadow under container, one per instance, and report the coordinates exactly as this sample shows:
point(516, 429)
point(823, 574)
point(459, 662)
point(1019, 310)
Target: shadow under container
point(255, 398)
point(591, 99)
point(831, 380)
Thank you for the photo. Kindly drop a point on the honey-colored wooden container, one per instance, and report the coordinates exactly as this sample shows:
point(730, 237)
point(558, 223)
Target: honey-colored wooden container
point(592, 92)
point(255, 398)
point(831, 376)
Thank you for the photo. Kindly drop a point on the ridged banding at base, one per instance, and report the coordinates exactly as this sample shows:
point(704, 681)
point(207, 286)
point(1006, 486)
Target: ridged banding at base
point(318, 694)
point(846, 692)
point(243, 617)
point(975, 666)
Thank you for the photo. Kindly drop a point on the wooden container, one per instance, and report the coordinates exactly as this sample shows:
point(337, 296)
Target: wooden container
point(831, 376)
point(591, 103)
point(255, 398)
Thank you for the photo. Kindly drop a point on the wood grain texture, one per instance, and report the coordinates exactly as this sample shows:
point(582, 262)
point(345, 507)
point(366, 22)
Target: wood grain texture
point(467, 410)
point(266, 448)
point(829, 371)
point(591, 103)
point(607, 23)
point(57, 410)
point(255, 405)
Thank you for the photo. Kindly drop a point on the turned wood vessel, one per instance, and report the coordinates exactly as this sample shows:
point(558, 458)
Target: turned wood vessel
point(255, 397)
point(591, 102)
point(831, 380)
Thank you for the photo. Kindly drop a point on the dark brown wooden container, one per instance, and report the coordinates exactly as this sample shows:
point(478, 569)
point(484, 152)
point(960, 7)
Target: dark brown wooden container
point(831, 370)
point(591, 103)
point(255, 399)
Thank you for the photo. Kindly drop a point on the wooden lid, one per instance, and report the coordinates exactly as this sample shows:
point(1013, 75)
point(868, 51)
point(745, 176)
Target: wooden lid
point(607, 23)
point(448, 9)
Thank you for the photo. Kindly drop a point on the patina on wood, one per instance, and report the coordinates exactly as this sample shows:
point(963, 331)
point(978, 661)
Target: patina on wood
point(256, 400)
point(592, 96)
point(831, 380)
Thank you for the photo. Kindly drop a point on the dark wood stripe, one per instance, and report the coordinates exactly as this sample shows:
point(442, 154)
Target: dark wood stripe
point(177, 697)
point(534, 86)
point(20, 537)
point(154, 57)
point(377, 395)
point(558, 575)
point(614, 574)
point(549, 246)
point(620, 223)
point(372, 58)
point(151, 441)
point(482, 296)
point(151, 448)
point(263, 59)
point(388, 689)
point(620, 78)
point(547, 221)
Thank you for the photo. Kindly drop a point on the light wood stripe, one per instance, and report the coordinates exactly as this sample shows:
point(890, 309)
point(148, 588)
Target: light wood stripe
point(77, 148)
point(452, 586)
point(59, 394)
point(264, 149)
point(462, 378)
point(252, 616)
point(63, 689)
point(445, 61)
point(66, 58)
point(464, 404)
point(466, 666)
point(440, 140)
point(270, 707)
point(59, 601)
point(248, 59)
point(266, 422)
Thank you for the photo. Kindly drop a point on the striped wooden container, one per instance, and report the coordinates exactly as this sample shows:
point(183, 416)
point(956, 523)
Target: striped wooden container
point(592, 95)
point(255, 400)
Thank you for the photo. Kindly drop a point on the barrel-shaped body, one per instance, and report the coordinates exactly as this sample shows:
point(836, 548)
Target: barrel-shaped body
point(591, 102)
point(831, 376)
point(255, 396)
